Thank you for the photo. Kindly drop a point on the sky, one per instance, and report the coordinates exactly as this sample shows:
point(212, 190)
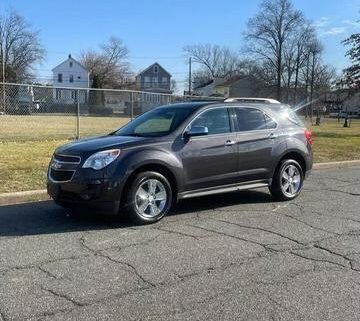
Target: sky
point(157, 30)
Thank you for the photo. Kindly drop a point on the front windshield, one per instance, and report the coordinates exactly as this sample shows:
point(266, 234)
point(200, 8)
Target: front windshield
point(155, 123)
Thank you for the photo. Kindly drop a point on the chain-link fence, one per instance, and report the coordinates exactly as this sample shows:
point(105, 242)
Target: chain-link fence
point(32, 113)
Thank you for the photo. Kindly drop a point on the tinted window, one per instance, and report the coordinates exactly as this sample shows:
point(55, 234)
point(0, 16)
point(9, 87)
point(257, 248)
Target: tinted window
point(270, 123)
point(216, 120)
point(157, 122)
point(250, 119)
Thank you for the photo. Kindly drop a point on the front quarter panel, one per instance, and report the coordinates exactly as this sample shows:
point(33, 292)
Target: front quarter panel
point(134, 158)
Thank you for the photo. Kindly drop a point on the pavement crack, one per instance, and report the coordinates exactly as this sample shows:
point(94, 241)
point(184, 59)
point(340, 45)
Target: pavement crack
point(232, 236)
point(306, 224)
point(337, 254)
point(344, 192)
point(63, 296)
point(2, 316)
point(263, 230)
point(319, 260)
point(133, 268)
point(49, 274)
point(178, 233)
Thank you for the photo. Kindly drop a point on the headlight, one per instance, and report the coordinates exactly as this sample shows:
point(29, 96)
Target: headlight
point(101, 159)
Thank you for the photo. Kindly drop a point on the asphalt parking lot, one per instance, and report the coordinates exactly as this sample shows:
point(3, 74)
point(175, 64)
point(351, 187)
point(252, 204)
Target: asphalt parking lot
point(237, 256)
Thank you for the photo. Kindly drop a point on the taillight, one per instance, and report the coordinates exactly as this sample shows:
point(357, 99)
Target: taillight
point(308, 135)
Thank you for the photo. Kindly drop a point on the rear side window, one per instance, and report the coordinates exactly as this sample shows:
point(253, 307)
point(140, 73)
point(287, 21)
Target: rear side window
point(293, 117)
point(217, 121)
point(270, 123)
point(249, 119)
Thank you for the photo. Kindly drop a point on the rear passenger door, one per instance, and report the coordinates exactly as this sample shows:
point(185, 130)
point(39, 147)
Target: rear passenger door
point(255, 140)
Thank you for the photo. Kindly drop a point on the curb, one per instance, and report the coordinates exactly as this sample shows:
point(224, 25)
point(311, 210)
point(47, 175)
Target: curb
point(41, 195)
point(336, 164)
point(22, 197)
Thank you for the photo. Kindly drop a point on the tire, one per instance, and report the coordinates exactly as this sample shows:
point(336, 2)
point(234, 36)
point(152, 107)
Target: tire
point(148, 198)
point(285, 186)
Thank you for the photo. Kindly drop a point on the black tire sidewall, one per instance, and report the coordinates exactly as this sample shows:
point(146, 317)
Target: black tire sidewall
point(276, 189)
point(130, 199)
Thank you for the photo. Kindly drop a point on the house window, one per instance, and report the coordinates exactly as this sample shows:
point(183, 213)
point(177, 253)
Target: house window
point(70, 64)
point(74, 94)
point(147, 82)
point(71, 78)
point(59, 77)
point(155, 82)
point(58, 94)
point(164, 81)
point(156, 69)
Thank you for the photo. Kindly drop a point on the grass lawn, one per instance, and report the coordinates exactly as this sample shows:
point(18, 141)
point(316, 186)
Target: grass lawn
point(27, 143)
point(30, 128)
point(333, 142)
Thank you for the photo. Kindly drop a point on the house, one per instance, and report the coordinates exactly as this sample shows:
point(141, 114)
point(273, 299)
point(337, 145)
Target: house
point(70, 74)
point(154, 79)
point(207, 89)
point(236, 86)
point(341, 99)
point(240, 86)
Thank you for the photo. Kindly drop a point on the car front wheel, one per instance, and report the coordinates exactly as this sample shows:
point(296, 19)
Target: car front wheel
point(288, 180)
point(149, 197)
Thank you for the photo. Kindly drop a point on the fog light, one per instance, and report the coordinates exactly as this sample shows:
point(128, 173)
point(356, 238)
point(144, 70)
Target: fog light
point(85, 196)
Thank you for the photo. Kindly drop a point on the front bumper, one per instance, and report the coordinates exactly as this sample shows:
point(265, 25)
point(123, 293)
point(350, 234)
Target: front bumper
point(96, 195)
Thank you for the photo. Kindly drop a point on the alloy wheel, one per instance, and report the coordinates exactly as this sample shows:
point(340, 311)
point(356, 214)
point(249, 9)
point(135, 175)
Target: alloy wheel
point(150, 198)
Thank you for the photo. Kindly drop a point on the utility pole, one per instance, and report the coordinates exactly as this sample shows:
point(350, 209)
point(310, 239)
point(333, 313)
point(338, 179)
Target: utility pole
point(3, 72)
point(189, 91)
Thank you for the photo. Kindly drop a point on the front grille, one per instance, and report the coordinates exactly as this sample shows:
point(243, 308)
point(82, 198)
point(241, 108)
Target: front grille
point(68, 159)
point(61, 176)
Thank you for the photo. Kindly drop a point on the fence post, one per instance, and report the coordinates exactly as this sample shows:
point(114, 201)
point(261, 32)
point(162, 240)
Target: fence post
point(132, 105)
point(4, 97)
point(78, 114)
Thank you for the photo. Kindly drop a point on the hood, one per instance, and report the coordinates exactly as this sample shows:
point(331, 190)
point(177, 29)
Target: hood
point(94, 144)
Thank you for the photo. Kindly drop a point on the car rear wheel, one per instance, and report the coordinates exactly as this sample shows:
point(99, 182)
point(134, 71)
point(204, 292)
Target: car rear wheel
point(149, 198)
point(288, 180)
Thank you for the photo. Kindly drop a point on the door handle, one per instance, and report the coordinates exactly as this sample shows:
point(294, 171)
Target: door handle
point(272, 136)
point(229, 143)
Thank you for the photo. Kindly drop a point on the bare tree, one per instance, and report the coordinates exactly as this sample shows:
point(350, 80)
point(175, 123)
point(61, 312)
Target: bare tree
point(173, 86)
point(269, 31)
point(215, 61)
point(109, 65)
point(20, 47)
point(352, 73)
point(303, 41)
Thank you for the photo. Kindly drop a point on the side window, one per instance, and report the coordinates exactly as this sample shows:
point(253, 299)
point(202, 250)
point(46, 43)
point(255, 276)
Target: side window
point(270, 123)
point(250, 119)
point(217, 121)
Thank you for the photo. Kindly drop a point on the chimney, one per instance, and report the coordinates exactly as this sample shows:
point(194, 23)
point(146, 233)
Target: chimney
point(69, 55)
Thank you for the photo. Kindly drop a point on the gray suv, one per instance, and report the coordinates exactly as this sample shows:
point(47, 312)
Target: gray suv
point(181, 151)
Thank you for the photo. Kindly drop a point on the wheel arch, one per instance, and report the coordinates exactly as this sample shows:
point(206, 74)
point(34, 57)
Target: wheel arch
point(154, 167)
point(295, 155)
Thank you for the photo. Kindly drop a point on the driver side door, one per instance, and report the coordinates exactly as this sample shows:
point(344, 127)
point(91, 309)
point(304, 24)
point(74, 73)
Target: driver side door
point(211, 160)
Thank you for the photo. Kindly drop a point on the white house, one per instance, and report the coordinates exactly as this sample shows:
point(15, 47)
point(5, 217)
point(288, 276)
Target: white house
point(70, 74)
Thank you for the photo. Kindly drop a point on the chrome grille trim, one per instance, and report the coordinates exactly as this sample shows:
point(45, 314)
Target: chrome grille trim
point(67, 156)
point(63, 170)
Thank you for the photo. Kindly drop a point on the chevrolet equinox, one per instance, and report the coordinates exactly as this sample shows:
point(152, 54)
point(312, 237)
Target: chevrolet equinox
point(180, 151)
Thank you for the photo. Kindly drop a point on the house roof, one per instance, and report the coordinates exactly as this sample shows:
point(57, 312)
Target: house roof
point(72, 59)
point(231, 80)
point(155, 63)
point(205, 84)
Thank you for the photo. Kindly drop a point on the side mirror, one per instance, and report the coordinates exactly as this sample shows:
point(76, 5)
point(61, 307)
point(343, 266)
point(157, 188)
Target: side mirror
point(196, 131)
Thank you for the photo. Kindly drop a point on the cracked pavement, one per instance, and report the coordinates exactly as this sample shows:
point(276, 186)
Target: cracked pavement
point(237, 256)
